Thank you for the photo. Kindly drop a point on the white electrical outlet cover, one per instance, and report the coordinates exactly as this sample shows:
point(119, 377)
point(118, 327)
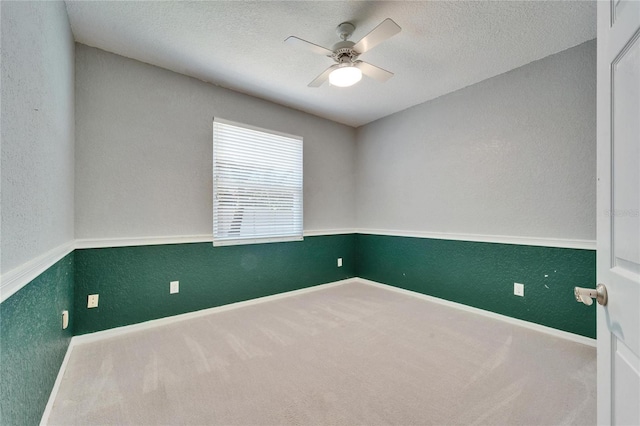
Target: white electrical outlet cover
point(174, 287)
point(65, 319)
point(518, 289)
point(92, 301)
point(339, 262)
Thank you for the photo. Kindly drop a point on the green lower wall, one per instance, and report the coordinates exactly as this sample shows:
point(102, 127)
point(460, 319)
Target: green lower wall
point(33, 344)
point(482, 275)
point(133, 282)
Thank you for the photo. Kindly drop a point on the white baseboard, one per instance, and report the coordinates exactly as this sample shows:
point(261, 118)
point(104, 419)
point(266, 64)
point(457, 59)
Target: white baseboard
point(119, 331)
point(15, 279)
point(526, 324)
point(499, 239)
point(54, 391)
point(100, 335)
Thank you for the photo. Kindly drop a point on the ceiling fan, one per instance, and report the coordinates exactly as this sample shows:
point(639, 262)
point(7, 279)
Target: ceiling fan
point(348, 69)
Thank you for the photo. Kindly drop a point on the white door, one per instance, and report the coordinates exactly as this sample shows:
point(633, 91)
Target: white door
point(618, 255)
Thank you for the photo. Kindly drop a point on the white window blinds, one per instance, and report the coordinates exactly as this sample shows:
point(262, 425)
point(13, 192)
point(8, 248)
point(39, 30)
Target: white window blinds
point(257, 185)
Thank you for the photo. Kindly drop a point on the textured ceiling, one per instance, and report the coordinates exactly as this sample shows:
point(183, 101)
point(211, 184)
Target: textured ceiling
point(443, 46)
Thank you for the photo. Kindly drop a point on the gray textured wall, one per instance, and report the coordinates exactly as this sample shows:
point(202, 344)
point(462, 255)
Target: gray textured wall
point(37, 130)
point(144, 151)
point(513, 155)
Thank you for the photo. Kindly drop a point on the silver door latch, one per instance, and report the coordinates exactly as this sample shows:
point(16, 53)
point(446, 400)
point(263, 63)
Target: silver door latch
point(586, 295)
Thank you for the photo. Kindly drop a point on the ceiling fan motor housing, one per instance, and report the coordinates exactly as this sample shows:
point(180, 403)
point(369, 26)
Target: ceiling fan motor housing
point(343, 52)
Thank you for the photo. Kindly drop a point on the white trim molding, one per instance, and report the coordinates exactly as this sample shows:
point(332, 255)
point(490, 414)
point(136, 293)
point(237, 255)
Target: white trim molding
point(18, 277)
point(85, 243)
point(321, 232)
point(12, 281)
point(499, 239)
point(522, 323)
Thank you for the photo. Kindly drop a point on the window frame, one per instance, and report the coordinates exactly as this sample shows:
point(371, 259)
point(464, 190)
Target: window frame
point(296, 233)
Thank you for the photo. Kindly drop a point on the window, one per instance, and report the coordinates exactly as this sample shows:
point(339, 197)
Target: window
point(257, 185)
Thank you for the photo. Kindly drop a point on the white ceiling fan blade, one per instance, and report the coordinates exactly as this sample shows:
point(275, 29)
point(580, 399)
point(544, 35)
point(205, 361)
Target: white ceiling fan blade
point(374, 72)
point(317, 82)
point(298, 42)
point(385, 30)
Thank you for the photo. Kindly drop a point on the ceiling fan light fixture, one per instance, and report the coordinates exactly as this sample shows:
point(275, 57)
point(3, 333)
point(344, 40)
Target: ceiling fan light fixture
point(344, 76)
point(348, 69)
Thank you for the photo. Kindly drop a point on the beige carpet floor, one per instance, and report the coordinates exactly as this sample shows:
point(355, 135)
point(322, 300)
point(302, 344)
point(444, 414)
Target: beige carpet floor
point(353, 354)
